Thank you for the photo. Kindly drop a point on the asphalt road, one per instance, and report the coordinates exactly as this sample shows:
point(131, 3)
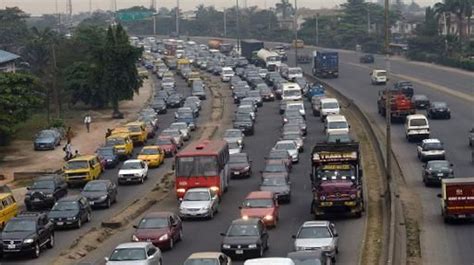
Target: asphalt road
point(126, 193)
point(441, 243)
point(204, 235)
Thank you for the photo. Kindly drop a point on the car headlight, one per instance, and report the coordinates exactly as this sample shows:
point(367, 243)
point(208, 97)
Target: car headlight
point(253, 246)
point(239, 142)
point(226, 246)
point(49, 195)
point(163, 237)
point(28, 241)
point(327, 248)
point(137, 174)
point(135, 238)
point(103, 197)
point(268, 217)
point(322, 198)
point(205, 208)
point(71, 218)
point(246, 168)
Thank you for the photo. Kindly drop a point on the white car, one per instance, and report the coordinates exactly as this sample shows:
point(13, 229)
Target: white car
point(226, 74)
point(234, 135)
point(270, 261)
point(175, 134)
point(291, 147)
point(133, 170)
point(194, 99)
point(378, 77)
point(417, 126)
point(336, 124)
point(199, 203)
point(320, 235)
point(296, 137)
point(328, 106)
point(183, 128)
point(202, 258)
point(431, 149)
point(296, 105)
point(136, 253)
point(234, 147)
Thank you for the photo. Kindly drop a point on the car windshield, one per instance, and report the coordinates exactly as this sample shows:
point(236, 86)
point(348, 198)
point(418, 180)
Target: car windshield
point(381, 73)
point(95, 186)
point(232, 133)
point(105, 152)
point(438, 165)
point(337, 125)
point(65, 206)
point(178, 126)
point(202, 261)
point(115, 141)
point(150, 151)
point(417, 122)
point(243, 230)
point(20, 226)
point(439, 105)
point(253, 93)
point(294, 107)
point(165, 141)
point(197, 196)
point(124, 254)
point(285, 146)
point(291, 93)
point(257, 203)
point(274, 181)
point(132, 165)
point(233, 145)
point(153, 222)
point(291, 136)
point(79, 164)
point(306, 261)
point(172, 133)
point(243, 118)
point(134, 128)
point(274, 168)
point(314, 232)
point(43, 184)
point(420, 97)
point(237, 159)
point(278, 154)
point(330, 105)
point(433, 146)
point(45, 134)
point(168, 80)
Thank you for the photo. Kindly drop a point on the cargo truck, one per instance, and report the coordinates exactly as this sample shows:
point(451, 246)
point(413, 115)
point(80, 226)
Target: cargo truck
point(400, 105)
point(457, 198)
point(325, 64)
point(269, 59)
point(249, 49)
point(336, 179)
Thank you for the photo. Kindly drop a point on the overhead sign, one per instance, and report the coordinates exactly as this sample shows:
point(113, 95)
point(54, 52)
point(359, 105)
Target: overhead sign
point(133, 15)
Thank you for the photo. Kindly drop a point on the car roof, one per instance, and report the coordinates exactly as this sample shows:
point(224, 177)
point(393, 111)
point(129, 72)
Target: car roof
point(335, 117)
point(269, 261)
point(306, 254)
point(328, 100)
point(132, 161)
point(426, 141)
point(285, 142)
point(205, 255)
point(246, 221)
point(197, 189)
point(416, 116)
point(84, 157)
point(159, 214)
point(133, 245)
point(260, 195)
point(315, 223)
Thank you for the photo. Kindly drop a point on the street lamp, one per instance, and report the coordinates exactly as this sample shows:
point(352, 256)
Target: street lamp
point(177, 18)
point(388, 130)
point(238, 26)
point(296, 33)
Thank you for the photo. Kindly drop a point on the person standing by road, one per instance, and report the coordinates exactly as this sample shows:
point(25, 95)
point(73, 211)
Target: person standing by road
point(68, 150)
point(87, 121)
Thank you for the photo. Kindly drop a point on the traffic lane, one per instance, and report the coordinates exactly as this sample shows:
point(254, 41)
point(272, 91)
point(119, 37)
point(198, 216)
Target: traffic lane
point(126, 194)
point(353, 82)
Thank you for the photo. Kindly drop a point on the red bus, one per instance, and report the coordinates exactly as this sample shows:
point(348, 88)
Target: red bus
point(202, 163)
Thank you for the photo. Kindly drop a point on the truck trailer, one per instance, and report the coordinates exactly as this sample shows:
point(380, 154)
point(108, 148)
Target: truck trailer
point(325, 64)
point(457, 198)
point(249, 49)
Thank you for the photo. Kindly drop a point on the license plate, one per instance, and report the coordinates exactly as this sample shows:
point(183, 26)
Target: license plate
point(91, 203)
point(239, 252)
point(462, 216)
point(36, 200)
point(440, 174)
point(11, 246)
point(59, 223)
point(128, 179)
point(236, 173)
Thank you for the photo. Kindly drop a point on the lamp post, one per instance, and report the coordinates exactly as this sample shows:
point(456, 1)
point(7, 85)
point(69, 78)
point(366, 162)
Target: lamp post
point(177, 18)
point(225, 23)
point(238, 27)
point(388, 121)
point(317, 28)
point(295, 22)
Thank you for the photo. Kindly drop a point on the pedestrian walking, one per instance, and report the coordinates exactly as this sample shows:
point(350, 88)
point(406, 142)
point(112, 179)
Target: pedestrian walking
point(108, 133)
point(87, 121)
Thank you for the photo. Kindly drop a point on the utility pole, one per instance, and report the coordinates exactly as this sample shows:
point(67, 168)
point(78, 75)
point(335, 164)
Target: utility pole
point(69, 11)
point(225, 23)
point(388, 119)
point(154, 24)
point(446, 33)
point(295, 22)
point(177, 18)
point(317, 28)
point(90, 7)
point(238, 27)
point(368, 21)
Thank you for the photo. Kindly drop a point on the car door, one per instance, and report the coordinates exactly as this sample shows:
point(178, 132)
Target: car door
point(332, 228)
point(83, 208)
point(43, 233)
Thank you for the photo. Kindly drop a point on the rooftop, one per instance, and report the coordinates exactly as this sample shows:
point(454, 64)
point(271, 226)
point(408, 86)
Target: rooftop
point(7, 56)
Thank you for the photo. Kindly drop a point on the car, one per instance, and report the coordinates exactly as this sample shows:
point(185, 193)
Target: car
point(275, 168)
point(436, 170)
point(267, 94)
point(137, 253)
point(292, 115)
point(193, 106)
point(175, 101)
point(189, 119)
point(336, 124)
point(239, 94)
point(199, 203)
point(255, 95)
point(153, 155)
point(234, 135)
point(159, 105)
point(269, 261)
point(338, 138)
point(328, 106)
point(195, 100)
point(279, 185)
point(261, 204)
point(70, 211)
point(420, 101)
point(184, 128)
point(234, 147)
point(297, 105)
point(416, 127)
point(470, 137)
point(240, 165)
point(406, 87)
point(246, 109)
point(290, 146)
point(367, 58)
point(175, 134)
point(198, 91)
point(133, 170)
point(108, 156)
point(27, 233)
point(168, 81)
point(245, 123)
point(280, 155)
point(314, 235)
point(211, 258)
point(100, 193)
point(168, 145)
point(430, 149)
point(245, 238)
point(296, 137)
point(438, 110)
point(163, 229)
point(378, 76)
point(312, 257)
point(44, 192)
point(47, 140)
point(184, 111)
point(249, 102)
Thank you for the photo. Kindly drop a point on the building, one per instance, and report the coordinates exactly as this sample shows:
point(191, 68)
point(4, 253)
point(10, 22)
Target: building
point(7, 61)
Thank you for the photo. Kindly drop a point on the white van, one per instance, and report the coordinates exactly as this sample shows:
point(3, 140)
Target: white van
point(291, 92)
point(378, 77)
point(226, 74)
point(336, 124)
point(417, 127)
point(294, 72)
point(328, 106)
point(269, 261)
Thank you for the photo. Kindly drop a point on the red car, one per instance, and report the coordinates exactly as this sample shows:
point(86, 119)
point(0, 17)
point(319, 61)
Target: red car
point(168, 145)
point(263, 205)
point(163, 229)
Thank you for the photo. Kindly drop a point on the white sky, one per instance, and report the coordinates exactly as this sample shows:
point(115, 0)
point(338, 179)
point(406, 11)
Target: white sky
point(38, 7)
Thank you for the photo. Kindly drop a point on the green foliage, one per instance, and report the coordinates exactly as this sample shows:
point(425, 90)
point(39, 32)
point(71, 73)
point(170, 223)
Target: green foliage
point(13, 29)
point(17, 98)
point(57, 123)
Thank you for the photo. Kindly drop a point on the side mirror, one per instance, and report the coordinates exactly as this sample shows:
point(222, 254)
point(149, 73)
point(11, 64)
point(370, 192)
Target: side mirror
point(222, 234)
point(240, 207)
point(336, 234)
point(106, 258)
point(293, 236)
point(135, 226)
point(438, 195)
point(28, 188)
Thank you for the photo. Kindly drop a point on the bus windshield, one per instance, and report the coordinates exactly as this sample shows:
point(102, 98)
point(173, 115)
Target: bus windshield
point(197, 166)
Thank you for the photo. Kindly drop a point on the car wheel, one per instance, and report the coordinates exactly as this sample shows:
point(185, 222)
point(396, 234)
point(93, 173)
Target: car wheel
point(79, 223)
point(50, 242)
point(261, 251)
point(88, 217)
point(108, 203)
point(36, 251)
point(142, 180)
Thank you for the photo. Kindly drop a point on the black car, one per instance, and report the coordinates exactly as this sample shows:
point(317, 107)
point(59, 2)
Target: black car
point(70, 211)
point(198, 91)
point(161, 94)
point(438, 110)
point(279, 185)
point(367, 58)
point(310, 257)
point(159, 105)
point(27, 233)
point(275, 168)
point(100, 193)
point(420, 101)
point(109, 156)
point(267, 94)
point(244, 123)
point(406, 87)
point(436, 170)
point(240, 165)
point(175, 101)
point(245, 238)
point(44, 192)
point(239, 94)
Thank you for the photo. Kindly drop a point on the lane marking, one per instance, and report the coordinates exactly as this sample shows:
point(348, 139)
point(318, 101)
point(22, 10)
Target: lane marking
point(440, 88)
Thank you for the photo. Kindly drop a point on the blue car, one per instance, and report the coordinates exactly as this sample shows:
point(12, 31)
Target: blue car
point(108, 156)
point(315, 90)
point(188, 119)
point(47, 140)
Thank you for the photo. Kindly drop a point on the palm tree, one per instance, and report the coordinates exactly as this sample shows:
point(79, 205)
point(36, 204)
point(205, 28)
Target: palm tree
point(285, 8)
point(443, 11)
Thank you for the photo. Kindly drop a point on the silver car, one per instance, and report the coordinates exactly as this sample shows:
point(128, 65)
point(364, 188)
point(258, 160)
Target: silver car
point(291, 147)
point(234, 148)
point(183, 128)
point(234, 135)
point(295, 136)
point(175, 134)
point(199, 203)
point(317, 235)
point(137, 253)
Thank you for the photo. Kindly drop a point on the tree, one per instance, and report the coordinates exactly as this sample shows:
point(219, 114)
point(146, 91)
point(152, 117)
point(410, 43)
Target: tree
point(120, 75)
point(13, 29)
point(18, 96)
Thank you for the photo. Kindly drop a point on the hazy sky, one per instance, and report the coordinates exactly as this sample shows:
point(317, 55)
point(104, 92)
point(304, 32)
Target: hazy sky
point(37, 7)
